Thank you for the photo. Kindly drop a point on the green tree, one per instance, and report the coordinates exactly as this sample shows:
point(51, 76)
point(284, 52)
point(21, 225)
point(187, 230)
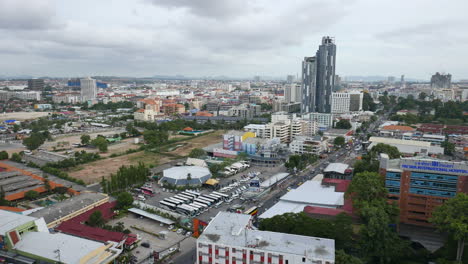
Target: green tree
point(339, 141)
point(47, 185)
point(101, 143)
point(31, 195)
point(365, 188)
point(391, 151)
point(16, 128)
point(15, 157)
point(3, 201)
point(85, 139)
point(155, 137)
point(452, 217)
point(368, 103)
point(449, 147)
point(343, 124)
point(95, 219)
point(342, 258)
point(131, 130)
point(3, 155)
point(422, 96)
point(34, 141)
point(124, 200)
point(197, 153)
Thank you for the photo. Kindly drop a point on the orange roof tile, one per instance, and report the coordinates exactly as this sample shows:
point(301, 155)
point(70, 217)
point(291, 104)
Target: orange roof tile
point(11, 209)
point(401, 128)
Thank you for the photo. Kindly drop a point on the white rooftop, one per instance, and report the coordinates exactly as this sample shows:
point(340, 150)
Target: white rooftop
point(274, 179)
point(181, 172)
point(336, 167)
point(9, 221)
point(232, 229)
point(151, 216)
point(43, 244)
point(311, 193)
point(399, 141)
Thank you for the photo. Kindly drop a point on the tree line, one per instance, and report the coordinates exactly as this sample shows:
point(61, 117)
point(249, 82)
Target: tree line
point(125, 177)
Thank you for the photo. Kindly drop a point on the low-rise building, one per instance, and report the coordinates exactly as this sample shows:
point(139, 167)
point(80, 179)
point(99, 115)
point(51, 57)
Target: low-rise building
point(407, 147)
point(311, 145)
point(229, 238)
point(340, 171)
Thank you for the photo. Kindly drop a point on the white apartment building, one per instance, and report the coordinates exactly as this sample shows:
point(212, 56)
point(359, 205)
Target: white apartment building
point(340, 103)
point(324, 119)
point(292, 93)
point(22, 95)
point(302, 144)
point(230, 239)
point(88, 89)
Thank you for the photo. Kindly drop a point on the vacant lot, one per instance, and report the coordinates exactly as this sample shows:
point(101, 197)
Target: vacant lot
point(94, 171)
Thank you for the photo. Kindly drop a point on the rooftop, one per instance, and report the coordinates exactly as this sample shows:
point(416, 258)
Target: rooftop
point(399, 141)
point(181, 172)
point(400, 128)
point(234, 230)
point(62, 209)
point(10, 220)
point(336, 167)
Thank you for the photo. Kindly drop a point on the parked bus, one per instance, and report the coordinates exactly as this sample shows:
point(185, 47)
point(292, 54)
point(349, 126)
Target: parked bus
point(168, 205)
point(193, 192)
point(198, 207)
point(252, 211)
point(182, 198)
point(173, 200)
point(191, 195)
point(203, 200)
point(185, 196)
point(214, 197)
point(211, 199)
point(205, 206)
point(187, 210)
point(225, 196)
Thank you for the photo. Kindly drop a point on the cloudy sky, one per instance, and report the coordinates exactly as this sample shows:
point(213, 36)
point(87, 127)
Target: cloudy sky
point(238, 38)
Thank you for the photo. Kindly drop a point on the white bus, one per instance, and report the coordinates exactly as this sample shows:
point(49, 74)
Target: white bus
point(186, 210)
point(205, 206)
point(204, 201)
point(168, 205)
point(186, 200)
point(193, 192)
point(206, 197)
point(193, 196)
point(198, 207)
point(185, 196)
point(216, 198)
point(225, 196)
point(174, 200)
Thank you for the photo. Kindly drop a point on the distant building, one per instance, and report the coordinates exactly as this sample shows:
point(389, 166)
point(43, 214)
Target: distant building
point(22, 95)
point(292, 93)
point(256, 78)
point(441, 81)
point(391, 79)
point(88, 89)
point(290, 79)
point(36, 84)
point(340, 103)
point(230, 237)
point(355, 101)
point(418, 185)
point(309, 83)
point(149, 109)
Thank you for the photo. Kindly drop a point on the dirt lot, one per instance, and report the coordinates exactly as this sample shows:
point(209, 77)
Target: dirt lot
point(94, 171)
point(21, 116)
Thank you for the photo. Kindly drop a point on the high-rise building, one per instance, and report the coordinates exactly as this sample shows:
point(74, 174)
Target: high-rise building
point(309, 79)
point(326, 58)
point(36, 84)
point(355, 101)
point(340, 103)
point(318, 78)
point(257, 78)
point(292, 93)
point(441, 81)
point(290, 78)
point(88, 89)
point(391, 79)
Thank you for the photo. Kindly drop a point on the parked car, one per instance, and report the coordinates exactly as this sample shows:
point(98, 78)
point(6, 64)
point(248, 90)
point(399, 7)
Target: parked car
point(145, 244)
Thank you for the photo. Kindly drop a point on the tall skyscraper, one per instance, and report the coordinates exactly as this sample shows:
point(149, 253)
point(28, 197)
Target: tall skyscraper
point(309, 84)
point(326, 58)
point(318, 78)
point(88, 89)
point(36, 84)
point(290, 78)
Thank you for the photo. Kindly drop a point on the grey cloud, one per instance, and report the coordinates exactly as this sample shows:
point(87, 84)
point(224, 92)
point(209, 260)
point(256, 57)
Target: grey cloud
point(27, 14)
point(208, 8)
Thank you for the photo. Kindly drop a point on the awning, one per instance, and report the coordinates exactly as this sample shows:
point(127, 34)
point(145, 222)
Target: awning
point(212, 182)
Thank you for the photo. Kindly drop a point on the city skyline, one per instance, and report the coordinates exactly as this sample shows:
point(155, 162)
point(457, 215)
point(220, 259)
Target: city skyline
point(230, 38)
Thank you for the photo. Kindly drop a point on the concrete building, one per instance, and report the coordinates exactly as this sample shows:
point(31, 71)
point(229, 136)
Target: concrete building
point(88, 89)
point(229, 238)
point(311, 145)
point(22, 95)
point(36, 84)
point(309, 85)
point(290, 78)
point(246, 111)
point(30, 239)
point(57, 213)
point(69, 97)
point(340, 103)
point(407, 147)
point(355, 101)
point(326, 58)
point(441, 81)
point(150, 110)
point(323, 119)
point(292, 93)
point(339, 171)
point(418, 185)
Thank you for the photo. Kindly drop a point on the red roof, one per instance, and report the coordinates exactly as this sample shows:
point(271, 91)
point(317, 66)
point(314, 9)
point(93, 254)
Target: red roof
point(340, 185)
point(76, 226)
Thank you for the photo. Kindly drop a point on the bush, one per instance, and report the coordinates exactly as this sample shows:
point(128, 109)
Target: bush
point(31, 195)
point(15, 157)
point(3, 155)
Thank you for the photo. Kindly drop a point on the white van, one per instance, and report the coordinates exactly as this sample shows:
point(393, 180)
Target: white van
point(141, 198)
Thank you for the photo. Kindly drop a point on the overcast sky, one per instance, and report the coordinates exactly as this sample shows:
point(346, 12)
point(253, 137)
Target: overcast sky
point(238, 38)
